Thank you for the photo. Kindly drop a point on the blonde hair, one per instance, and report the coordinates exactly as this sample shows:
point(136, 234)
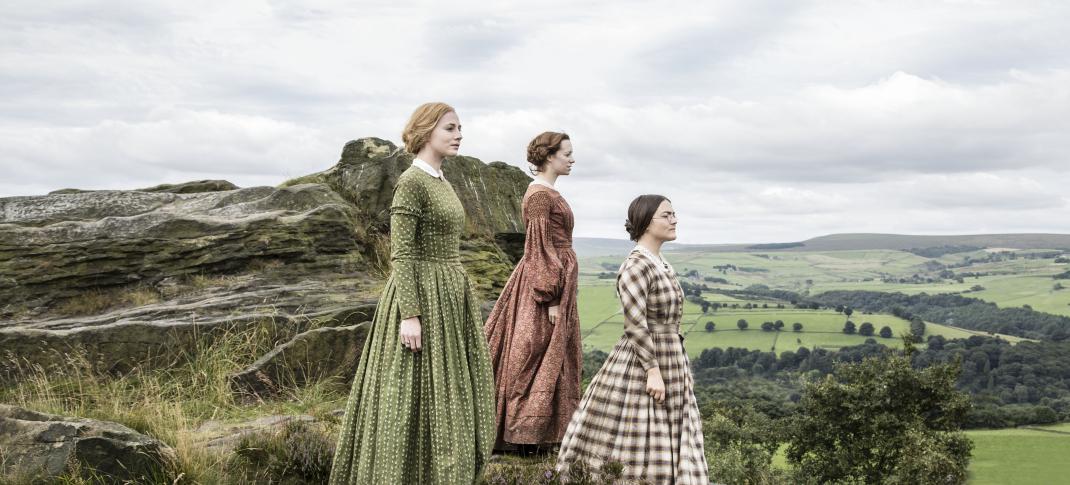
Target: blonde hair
point(421, 123)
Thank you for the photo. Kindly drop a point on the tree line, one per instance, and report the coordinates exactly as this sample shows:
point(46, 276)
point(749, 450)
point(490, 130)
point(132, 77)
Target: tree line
point(954, 310)
point(1009, 385)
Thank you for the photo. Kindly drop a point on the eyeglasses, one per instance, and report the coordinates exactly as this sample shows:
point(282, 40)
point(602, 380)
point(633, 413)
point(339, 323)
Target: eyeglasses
point(668, 216)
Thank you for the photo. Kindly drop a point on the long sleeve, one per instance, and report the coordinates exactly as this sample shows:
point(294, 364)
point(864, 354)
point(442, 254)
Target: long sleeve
point(405, 212)
point(539, 250)
point(633, 284)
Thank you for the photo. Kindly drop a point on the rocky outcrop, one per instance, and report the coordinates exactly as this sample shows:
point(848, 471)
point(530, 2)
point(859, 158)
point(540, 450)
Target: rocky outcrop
point(46, 446)
point(321, 353)
point(194, 187)
point(162, 333)
point(137, 278)
point(491, 194)
point(56, 246)
point(369, 169)
point(223, 437)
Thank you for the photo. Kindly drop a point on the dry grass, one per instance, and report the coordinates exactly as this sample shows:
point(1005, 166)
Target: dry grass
point(97, 301)
point(202, 281)
point(380, 256)
point(169, 404)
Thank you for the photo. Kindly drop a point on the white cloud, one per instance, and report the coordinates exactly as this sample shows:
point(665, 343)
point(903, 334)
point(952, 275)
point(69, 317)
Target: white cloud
point(763, 121)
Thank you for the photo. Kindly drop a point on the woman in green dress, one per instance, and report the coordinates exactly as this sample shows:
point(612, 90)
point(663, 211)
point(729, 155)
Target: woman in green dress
point(422, 405)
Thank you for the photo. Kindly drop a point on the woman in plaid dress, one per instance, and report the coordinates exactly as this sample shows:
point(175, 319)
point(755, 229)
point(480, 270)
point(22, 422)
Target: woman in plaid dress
point(640, 407)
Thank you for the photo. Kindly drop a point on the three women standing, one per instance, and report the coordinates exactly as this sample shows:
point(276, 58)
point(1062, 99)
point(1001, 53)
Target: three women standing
point(640, 407)
point(422, 405)
point(533, 331)
point(421, 409)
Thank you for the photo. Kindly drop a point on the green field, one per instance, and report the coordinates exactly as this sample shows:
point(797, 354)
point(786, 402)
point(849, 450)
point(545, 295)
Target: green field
point(1007, 283)
point(1012, 456)
point(602, 324)
point(1023, 455)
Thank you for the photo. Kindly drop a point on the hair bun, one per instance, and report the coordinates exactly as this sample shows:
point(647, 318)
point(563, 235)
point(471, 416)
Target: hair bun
point(628, 226)
point(640, 213)
point(544, 146)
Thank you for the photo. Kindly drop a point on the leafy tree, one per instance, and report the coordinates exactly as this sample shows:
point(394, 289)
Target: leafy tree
point(866, 329)
point(917, 329)
point(797, 327)
point(882, 421)
point(740, 444)
point(705, 306)
point(849, 328)
point(886, 332)
point(710, 326)
point(768, 326)
point(848, 311)
point(742, 324)
point(779, 325)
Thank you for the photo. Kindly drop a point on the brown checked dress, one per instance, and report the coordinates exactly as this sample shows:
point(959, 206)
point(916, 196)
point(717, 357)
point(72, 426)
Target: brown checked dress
point(537, 363)
point(660, 443)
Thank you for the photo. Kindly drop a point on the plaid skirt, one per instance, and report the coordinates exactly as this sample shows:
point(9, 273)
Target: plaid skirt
point(618, 421)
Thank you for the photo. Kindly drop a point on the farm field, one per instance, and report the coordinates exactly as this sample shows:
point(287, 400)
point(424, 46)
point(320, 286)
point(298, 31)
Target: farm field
point(1021, 455)
point(1012, 456)
point(601, 325)
point(1035, 291)
point(1007, 456)
point(1008, 283)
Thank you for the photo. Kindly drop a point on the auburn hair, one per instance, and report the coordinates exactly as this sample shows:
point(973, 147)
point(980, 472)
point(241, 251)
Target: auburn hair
point(544, 146)
point(422, 122)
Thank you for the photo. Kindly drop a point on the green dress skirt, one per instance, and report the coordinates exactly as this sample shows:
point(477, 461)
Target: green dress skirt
point(425, 417)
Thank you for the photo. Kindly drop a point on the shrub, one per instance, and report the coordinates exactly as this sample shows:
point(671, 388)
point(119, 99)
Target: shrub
point(882, 421)
point(298, 453)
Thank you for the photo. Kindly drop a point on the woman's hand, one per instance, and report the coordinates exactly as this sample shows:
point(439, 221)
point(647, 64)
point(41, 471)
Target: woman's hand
point(553, 314)
point(410, 334)
point(655, 386)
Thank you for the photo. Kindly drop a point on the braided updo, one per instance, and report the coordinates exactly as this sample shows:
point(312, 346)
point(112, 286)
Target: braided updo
point(544, 146)
point(640, 212)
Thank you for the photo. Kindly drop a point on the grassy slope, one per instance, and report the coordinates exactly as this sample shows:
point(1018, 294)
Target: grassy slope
point(1020, 456)
point(1009, 283)
point(1008, 456)
point(602, 326)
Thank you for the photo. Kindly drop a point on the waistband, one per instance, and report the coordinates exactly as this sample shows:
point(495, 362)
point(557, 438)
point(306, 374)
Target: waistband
point(663, 328)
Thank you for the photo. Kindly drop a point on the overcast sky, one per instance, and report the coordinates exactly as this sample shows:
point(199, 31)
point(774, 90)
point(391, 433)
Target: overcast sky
point(763, 121)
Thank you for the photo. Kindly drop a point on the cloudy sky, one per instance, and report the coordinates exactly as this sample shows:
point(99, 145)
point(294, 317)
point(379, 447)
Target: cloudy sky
point(764, 121)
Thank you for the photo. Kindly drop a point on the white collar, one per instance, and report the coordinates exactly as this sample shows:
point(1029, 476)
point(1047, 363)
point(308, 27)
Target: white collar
point(543, 183)
point(658, 258)
point(426, 167)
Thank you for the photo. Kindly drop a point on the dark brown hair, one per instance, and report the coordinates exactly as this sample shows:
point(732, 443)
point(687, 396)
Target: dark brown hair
point(640, 213)
point(544, 146)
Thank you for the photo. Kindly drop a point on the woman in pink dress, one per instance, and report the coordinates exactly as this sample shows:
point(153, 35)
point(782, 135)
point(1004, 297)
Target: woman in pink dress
point(533, 332)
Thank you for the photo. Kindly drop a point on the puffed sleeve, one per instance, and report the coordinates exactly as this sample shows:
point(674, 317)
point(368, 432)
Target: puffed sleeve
point(633, 284)
point(405, 212)
point(539, 251)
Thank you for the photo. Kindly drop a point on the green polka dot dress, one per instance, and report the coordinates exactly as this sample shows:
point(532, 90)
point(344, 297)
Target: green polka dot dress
point(424, 417)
